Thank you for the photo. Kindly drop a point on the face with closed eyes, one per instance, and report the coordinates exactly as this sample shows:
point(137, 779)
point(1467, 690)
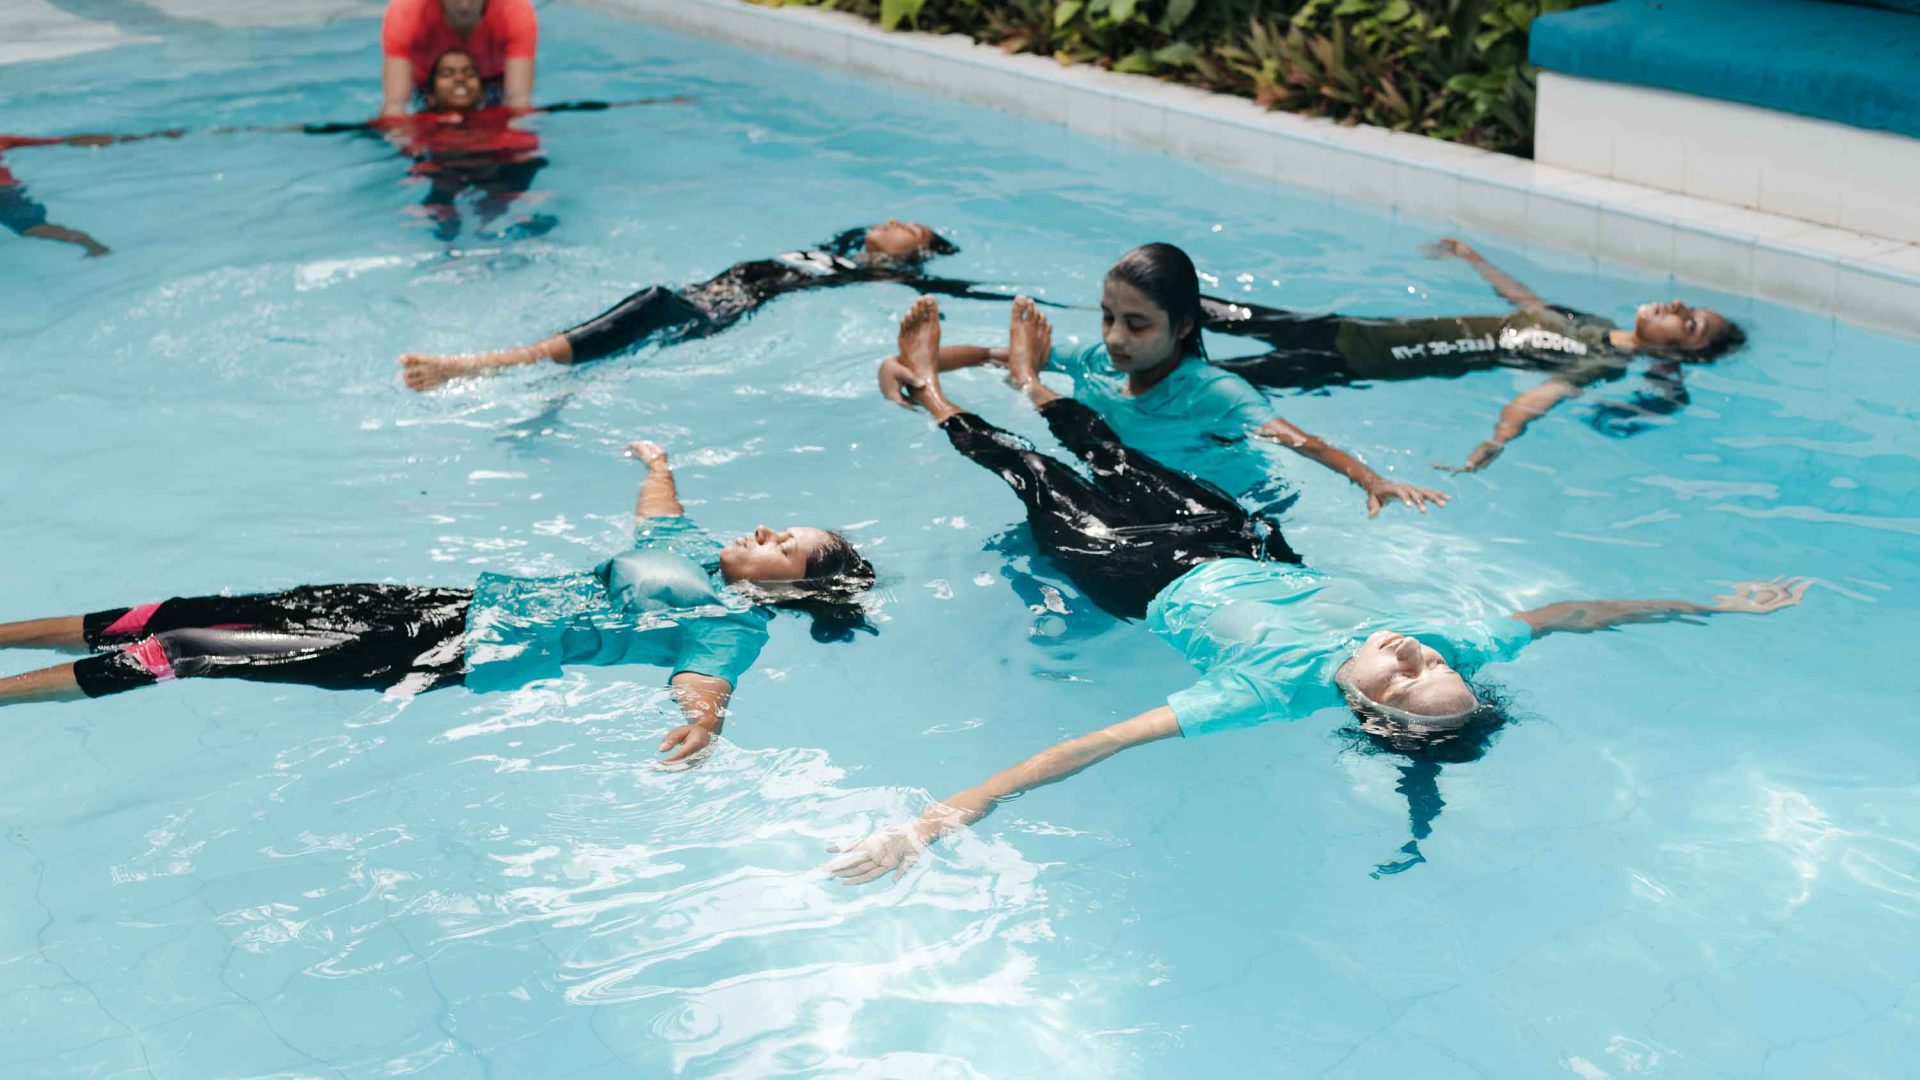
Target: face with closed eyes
point(900, 240)
point(1138, 333)
point(1396, 671)
point(1674, 325)
point(768, 555)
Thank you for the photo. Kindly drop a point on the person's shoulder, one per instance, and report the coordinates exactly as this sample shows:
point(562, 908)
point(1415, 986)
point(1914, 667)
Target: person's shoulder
point(1079, 360)
point(405, 19)
point(1220, 385)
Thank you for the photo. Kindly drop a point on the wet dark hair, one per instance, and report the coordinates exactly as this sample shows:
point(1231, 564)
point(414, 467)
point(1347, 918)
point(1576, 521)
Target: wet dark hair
point(837, 575)
point(1720, 346)
point(940, 245)
point(1167, 277)
point(1424, 752)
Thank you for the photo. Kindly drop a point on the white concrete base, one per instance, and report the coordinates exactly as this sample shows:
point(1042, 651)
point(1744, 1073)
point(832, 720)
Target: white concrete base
point(1795, 166)
point(1871, 280)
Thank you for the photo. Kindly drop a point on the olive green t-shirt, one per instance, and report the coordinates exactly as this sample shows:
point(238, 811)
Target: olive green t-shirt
point(1568, 345)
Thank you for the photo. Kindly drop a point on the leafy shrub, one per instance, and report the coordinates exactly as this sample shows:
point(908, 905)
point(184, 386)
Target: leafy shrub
point(1453, 69)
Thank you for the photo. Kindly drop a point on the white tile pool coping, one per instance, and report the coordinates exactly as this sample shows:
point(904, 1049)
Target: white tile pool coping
point(1871, 281)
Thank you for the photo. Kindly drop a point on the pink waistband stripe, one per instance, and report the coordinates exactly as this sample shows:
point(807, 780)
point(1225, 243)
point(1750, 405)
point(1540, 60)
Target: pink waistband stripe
point(152, 656)
point(134, 621)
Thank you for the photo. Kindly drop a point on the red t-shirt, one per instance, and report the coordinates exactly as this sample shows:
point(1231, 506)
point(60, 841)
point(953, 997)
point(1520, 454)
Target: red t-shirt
point(417, 30)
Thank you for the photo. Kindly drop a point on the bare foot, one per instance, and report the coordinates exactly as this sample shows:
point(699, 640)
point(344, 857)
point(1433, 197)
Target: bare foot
point(1029, 340)
point(422, 371)
point(919, 344)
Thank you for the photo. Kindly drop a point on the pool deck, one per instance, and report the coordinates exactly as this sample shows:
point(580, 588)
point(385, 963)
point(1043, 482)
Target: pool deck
point(1872, 281)
point(1868, 280)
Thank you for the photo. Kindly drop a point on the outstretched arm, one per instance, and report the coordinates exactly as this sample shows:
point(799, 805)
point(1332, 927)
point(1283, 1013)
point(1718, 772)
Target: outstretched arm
point(1379, 489)
point(703, 701)
point(1526, 407)
point(895, 849)
point(1587, 616)
point(657, 495)
point(1510, 290)
point(64, 235)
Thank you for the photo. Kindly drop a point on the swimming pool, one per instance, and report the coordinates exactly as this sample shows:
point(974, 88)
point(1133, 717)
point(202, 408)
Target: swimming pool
point(1696, 859)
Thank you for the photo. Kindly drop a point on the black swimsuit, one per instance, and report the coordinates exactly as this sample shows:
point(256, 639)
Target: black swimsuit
point(336, 637)
point(663, 315)
point(1312, 352)
point(1131, 530)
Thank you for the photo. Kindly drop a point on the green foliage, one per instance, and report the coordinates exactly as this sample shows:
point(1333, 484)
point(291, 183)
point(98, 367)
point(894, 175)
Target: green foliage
point(1453, 69)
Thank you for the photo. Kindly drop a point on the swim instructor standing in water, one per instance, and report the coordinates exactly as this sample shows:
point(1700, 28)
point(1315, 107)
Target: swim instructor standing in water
point(500, 35)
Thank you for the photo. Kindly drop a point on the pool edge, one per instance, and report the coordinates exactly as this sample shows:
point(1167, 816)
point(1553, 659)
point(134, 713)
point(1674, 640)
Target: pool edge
point(1868, 281)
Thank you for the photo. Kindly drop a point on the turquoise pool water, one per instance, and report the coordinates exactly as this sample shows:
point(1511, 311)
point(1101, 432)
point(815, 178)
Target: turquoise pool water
point(1697, 858)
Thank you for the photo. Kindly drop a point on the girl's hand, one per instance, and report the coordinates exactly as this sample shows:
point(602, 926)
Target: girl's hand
point(1449, 248)
point(1481, 457)
point(690, 738)
point(649, 453)
point(895, 378)
point(1761, 597)
point(892, 849)
point(1380, 491)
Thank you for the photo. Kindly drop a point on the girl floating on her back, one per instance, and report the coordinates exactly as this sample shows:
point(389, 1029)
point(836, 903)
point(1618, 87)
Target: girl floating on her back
point(1573, 349)
point(893, 251)
point(678, 600)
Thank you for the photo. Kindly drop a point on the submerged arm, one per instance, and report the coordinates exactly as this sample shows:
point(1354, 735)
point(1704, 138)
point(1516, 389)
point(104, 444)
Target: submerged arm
point(1526, 407)
point(1378, 488)
point(1510, 290)
point(1587, 616)
point(703, 701)
point(895, 849)
point(64, 235)
point(602, 106)
point(657, 495)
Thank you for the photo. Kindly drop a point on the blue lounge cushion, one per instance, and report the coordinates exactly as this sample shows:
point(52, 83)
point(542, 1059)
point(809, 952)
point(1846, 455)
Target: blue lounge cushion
point(1851, 64)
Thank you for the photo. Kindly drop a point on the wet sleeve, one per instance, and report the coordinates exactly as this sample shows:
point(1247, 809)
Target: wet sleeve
point(1226, 698)
point(678, 535)
point(400, 29)
point(723, 647)
point(519, 29)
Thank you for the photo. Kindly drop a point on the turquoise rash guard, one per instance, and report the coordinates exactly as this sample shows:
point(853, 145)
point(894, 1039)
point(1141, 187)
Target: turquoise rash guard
point(663, 603)
point(1267, 638)
point(1197, 419)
